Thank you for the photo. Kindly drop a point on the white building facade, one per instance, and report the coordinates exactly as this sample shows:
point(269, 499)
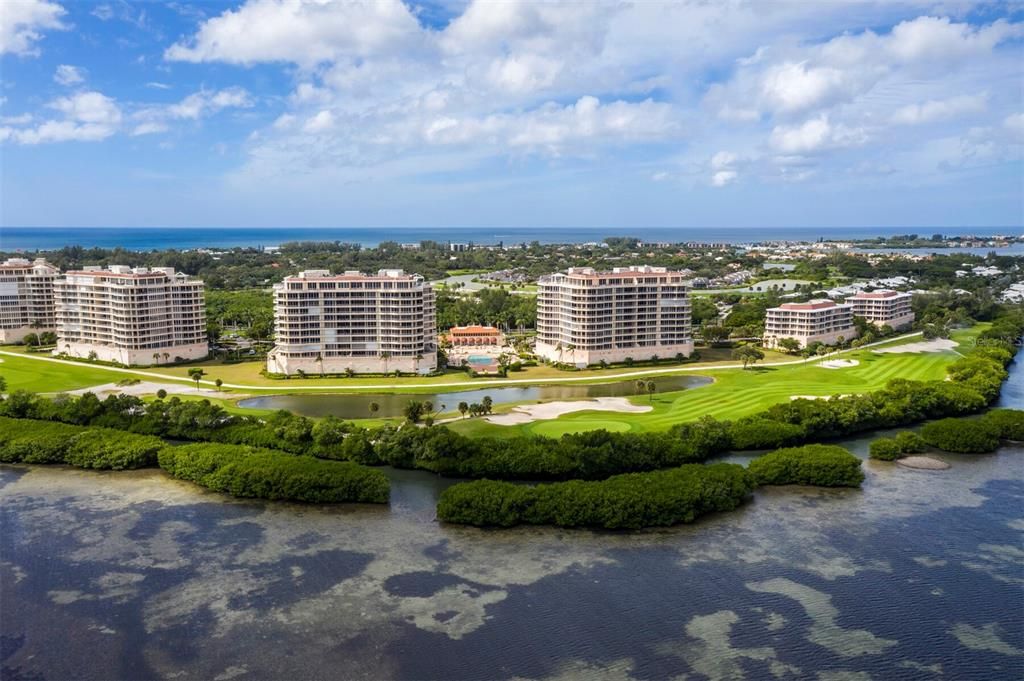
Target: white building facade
point(137, 316)
point(26, 298)
point(365, 323)
point(884, 307)
point(817, 321)
point(585, 316)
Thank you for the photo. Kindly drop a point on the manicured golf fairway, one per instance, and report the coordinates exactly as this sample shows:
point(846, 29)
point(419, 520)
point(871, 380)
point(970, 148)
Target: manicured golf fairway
point(738, 393)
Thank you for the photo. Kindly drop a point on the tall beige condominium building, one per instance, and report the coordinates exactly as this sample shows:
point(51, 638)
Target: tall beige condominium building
point(132, 316)
point(585, 316)
point(26, 298)
point(367, 323)
point(817, 321)
point(884, 307)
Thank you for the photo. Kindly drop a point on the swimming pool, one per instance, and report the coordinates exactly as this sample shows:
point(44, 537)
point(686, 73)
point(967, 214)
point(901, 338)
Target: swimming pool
point(481, 359)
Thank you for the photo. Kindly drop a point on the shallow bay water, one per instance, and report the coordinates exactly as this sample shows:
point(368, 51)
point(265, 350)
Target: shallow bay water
point(919, 575)
point(135, 576)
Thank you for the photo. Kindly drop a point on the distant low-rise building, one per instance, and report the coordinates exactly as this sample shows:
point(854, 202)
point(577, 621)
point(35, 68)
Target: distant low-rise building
point(131, 316)
point(585, 316)
point(816, 321)
point(367, 323)
point(884, 307)
point(26, 298)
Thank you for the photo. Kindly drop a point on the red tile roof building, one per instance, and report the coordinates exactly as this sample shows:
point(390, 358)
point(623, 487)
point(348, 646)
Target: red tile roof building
point(474, 335)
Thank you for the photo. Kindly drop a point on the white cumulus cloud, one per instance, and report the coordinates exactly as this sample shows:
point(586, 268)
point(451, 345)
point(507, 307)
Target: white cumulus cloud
point(69, 75)
point(936, 110)
point(305, 32)
point(88, 117)
point(22, 23)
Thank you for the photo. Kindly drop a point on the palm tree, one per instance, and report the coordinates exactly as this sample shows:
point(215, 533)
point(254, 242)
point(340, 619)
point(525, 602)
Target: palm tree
point(320, 362)
point(463, 408)
point(650, 390)
point(167, 356)
point(385, 356)
point(641, 386)
point(156, 358)
point(218, 383)
point(195, 374)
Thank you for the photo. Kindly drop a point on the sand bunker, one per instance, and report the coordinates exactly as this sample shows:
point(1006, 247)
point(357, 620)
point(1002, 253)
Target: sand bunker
point(816, 397)
point(552, 410)
point(925, 463)
point(839, 363)
point(937, 345)
point(149, 388)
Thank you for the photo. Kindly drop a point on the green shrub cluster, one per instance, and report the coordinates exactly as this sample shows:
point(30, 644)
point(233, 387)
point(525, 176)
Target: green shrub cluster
point(29, 441)
point(629, 501)
point(821, 465)
point(245, 471)
point(968, 436)
point(976, 380)
point(885, 449)
point(892, 448)
point(1010, 423)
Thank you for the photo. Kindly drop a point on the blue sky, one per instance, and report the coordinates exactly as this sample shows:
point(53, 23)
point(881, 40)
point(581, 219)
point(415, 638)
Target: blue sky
point(319, 113)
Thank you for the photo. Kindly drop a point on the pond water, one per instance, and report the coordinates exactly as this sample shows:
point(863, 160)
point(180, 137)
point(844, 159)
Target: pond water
point(136, 576)
point(357, 405)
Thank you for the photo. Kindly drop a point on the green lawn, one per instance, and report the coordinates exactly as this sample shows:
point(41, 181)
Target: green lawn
point(248, 374)
point(35, 376)
point(735, 392)
point(738, 393)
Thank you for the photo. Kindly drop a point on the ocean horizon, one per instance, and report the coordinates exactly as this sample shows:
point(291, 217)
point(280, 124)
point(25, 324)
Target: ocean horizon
point(15, 239)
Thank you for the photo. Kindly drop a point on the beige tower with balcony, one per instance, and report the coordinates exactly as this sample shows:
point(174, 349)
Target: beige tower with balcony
point(816, 321)
point(333, 323)
point(884, 308)
point(26, 298)
point(585, 316)
point(133, 316)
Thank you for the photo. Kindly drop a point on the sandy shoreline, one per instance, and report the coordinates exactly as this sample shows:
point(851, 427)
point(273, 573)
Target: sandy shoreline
point(924, 463)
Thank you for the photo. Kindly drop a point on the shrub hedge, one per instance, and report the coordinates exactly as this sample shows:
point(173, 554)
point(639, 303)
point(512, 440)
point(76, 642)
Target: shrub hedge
point(29, 441)
point(892, 448)
point(969, 436)
point(822, 465)
point(1010, 423)
point(245, 471)
point(629, 501)
point(885, 449)
point(976, 380)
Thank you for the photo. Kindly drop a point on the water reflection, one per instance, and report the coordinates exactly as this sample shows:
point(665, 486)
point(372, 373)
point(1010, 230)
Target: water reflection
point(357, 406)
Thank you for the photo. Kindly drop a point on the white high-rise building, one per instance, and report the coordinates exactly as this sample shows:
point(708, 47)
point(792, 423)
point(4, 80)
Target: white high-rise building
point(585, 316)
point(367, 323)
point(26, 298)
point(816, 321)
point(131, 316)
point(884, 307)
